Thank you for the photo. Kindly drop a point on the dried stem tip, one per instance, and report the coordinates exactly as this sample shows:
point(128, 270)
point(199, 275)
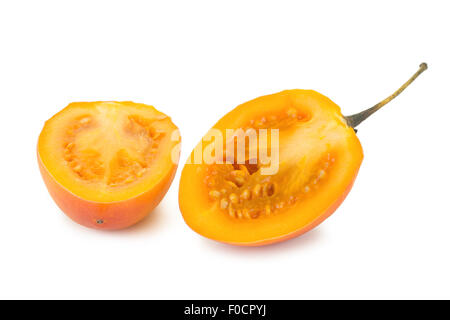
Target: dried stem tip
point(355, 119)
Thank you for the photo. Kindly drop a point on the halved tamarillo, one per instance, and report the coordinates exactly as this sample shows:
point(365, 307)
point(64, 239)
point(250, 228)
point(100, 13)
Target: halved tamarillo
point(108, 164)
point(273, 168)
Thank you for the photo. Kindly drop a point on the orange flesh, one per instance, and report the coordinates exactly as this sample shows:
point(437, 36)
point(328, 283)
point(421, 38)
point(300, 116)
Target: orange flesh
point(319, 157)
point(107, 155)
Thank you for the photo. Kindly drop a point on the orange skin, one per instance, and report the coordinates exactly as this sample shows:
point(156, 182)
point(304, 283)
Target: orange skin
point(106, 216)
point(303, 230)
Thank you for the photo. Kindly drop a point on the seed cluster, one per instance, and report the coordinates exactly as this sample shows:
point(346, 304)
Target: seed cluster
point(242, 197)
point(123, 168)
point(242, 193)
point(88, 164)
point(323, 168)
point(231, 187)
point(282, 120)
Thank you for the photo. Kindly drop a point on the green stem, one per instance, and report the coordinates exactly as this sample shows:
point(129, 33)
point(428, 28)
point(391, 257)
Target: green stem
point(355, 119)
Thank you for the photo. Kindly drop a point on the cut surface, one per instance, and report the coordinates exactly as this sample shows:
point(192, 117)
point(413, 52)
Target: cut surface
point(107, 151)
point(318, 159)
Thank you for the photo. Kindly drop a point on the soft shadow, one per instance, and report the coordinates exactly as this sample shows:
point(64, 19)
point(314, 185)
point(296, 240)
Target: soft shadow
point(152, 221)
point(308, 239)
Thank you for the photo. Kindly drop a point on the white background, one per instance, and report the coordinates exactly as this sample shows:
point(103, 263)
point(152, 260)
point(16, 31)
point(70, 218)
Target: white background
point(195, 61)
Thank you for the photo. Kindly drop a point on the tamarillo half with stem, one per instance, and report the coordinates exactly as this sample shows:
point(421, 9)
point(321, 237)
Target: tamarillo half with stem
point(300, 169)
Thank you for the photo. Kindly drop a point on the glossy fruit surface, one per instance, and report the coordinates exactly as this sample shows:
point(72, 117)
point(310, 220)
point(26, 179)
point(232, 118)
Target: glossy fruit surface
point(108, 164)
point(318, 159)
